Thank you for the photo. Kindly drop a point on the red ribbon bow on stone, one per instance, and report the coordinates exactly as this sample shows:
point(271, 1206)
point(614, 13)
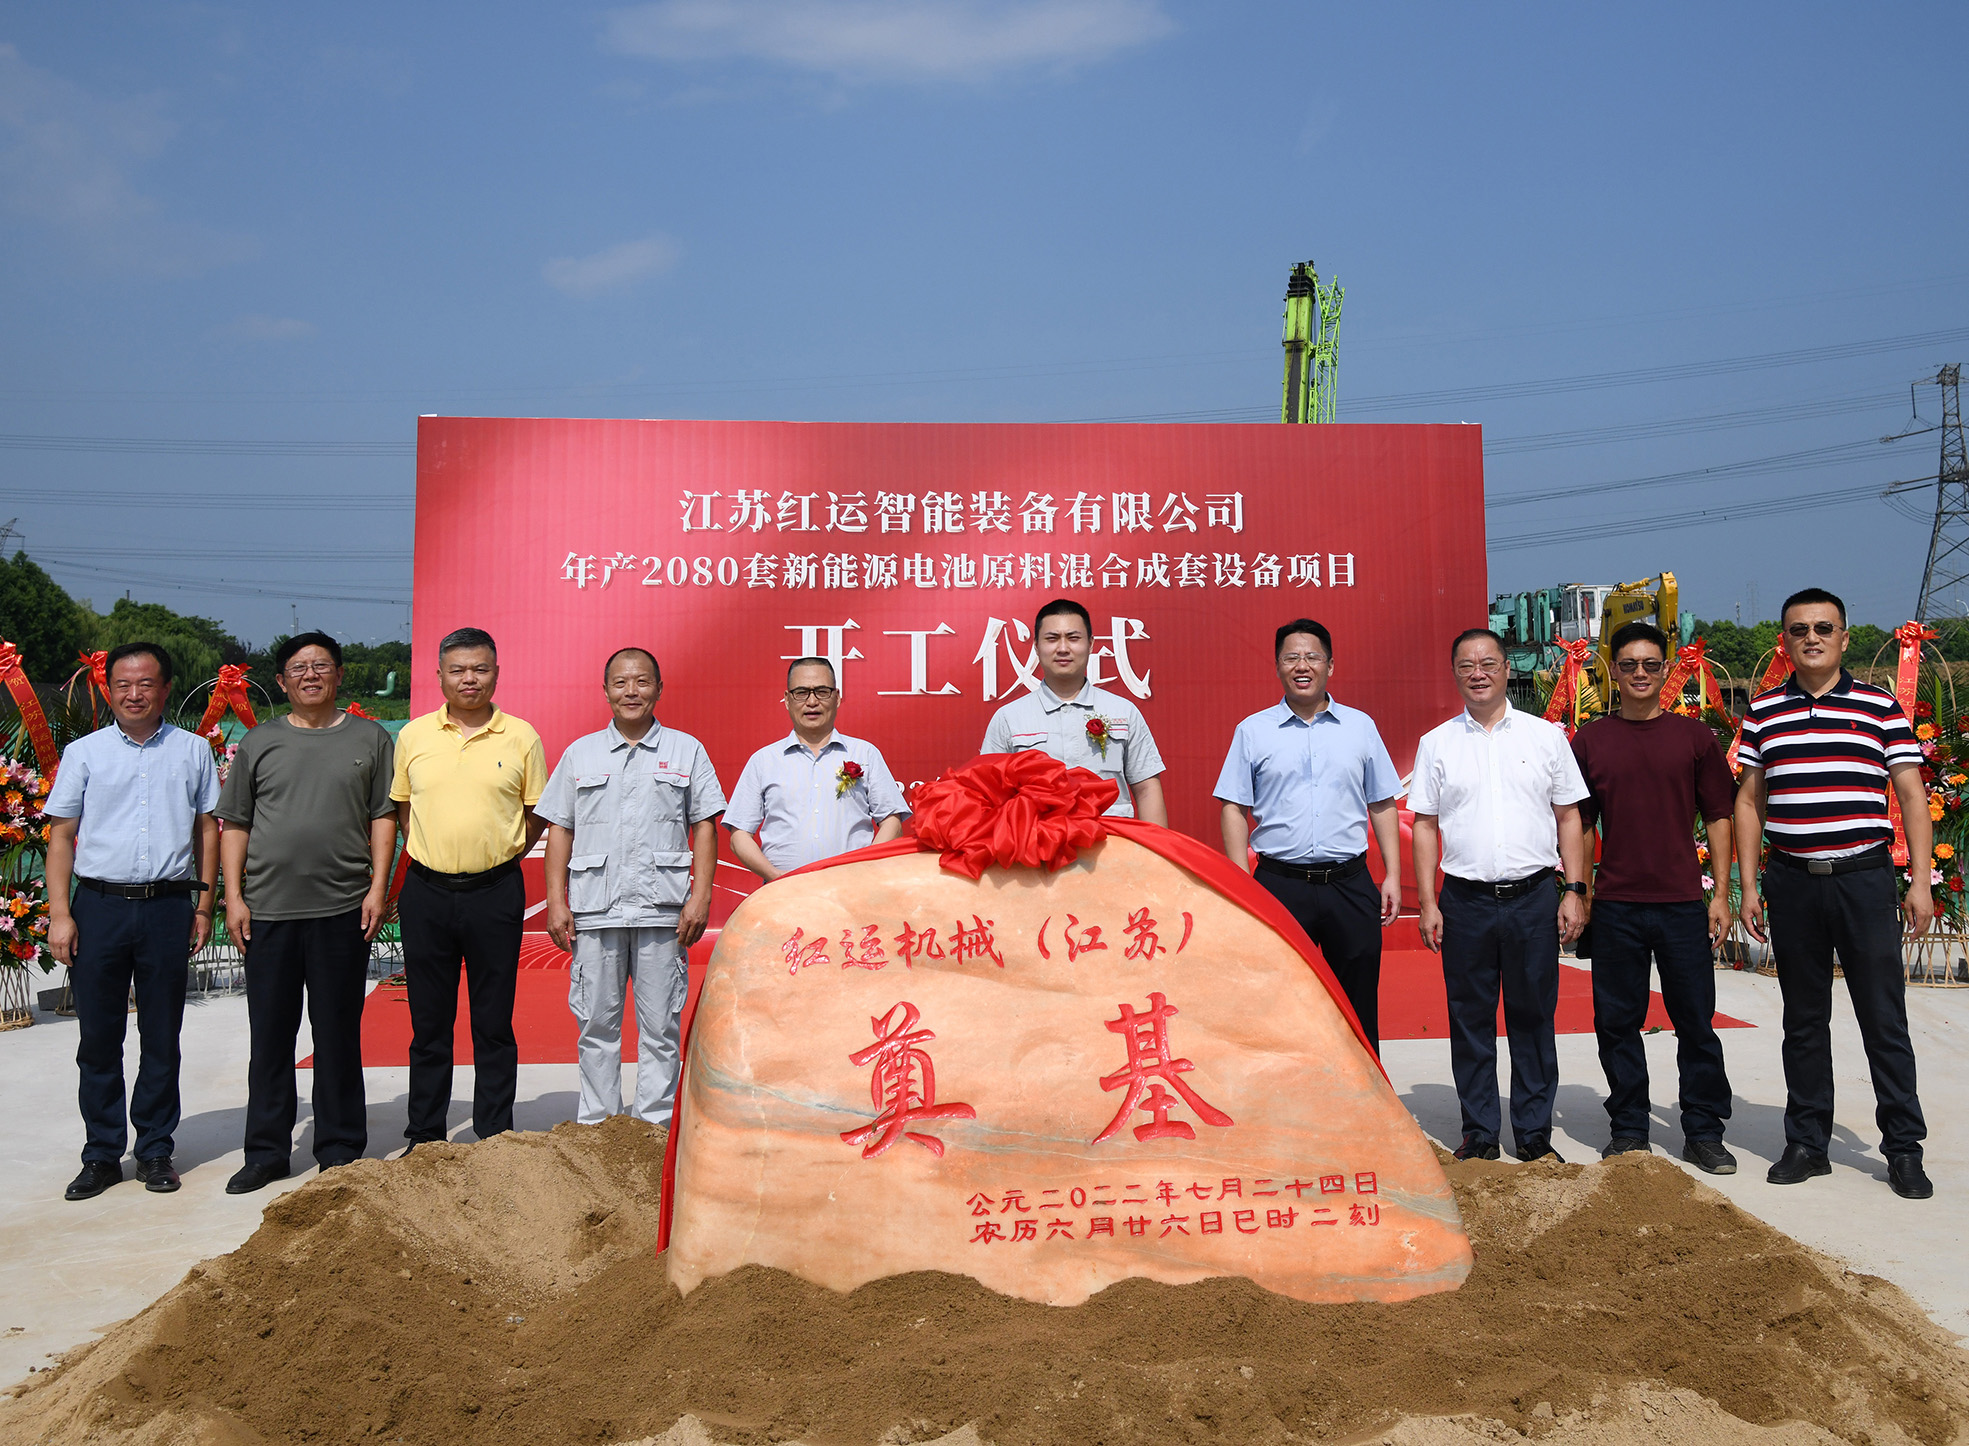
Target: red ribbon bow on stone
point(1017, 810)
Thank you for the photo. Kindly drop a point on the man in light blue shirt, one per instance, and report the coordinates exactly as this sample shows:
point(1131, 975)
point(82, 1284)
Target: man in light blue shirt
point(1316, 777)
point(632, 840)
point(1068, 718)
point(132, 830)
point(815, 793)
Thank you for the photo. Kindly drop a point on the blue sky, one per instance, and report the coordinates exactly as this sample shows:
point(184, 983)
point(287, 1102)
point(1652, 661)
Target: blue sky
point(271, 236)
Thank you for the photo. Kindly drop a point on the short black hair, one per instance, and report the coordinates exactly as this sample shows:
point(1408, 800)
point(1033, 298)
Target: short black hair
point(654, 666)
point(459, 638)
point(284, 654)
point(1470, 633)
point(810, 663)
point(1637, 632)
point(1813, 595)
point(130, 650)
point(1302, 625)
point(1063, 605)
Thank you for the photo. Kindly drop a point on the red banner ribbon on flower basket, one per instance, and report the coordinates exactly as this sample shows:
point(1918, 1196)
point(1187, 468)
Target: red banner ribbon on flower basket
point(1907, 676)
point(1776, 673)
point(29, 702)
point(228, 693)
point(96, 666)
point(355, 710)
point(1693, 658)
point(1565, 692)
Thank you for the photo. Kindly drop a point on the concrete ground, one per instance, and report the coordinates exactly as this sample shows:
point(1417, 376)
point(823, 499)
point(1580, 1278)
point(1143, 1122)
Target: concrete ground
point(74, 1270)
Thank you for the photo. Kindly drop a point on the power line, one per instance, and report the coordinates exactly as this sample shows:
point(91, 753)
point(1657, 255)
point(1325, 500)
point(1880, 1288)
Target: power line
point(154, 497)
point(1666, 522)
point(1805, 460)
point(222, 587)
point(204, 446)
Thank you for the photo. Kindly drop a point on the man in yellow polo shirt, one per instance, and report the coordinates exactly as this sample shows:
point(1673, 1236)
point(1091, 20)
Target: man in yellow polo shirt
point(467, 777)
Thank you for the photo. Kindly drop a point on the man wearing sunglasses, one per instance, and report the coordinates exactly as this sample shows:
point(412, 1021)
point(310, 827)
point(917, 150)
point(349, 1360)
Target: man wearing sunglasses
point(632, 840)
point(1651, 773)
point(815, 793)
point(1818, 756)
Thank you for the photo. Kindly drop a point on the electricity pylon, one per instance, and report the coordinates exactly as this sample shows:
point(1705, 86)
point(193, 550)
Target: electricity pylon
point(1312, 346)
point(1948, 544)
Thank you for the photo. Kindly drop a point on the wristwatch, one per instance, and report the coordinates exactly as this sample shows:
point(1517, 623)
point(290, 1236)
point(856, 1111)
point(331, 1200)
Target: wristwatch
point(1575, 888)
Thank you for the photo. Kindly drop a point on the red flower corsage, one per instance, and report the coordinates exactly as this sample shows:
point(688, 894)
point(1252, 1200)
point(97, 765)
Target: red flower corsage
point(847, 778)
point(1097, 734)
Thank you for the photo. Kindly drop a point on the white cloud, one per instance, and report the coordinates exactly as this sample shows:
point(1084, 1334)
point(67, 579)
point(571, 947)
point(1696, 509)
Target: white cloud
point(255, 326)
point(613, 268)
point(890, 39)
point(65, 161)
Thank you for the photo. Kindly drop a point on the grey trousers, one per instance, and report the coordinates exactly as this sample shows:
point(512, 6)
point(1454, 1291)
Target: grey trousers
point(605, 960)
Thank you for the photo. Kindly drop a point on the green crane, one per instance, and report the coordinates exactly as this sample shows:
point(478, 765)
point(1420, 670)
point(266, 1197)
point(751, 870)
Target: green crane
point(1312, 346)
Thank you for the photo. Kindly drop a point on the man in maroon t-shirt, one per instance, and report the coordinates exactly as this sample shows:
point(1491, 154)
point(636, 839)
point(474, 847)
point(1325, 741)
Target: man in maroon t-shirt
point(1651, 773)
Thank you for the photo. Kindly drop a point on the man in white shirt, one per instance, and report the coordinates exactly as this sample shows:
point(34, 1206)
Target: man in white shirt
point(815, 793)
point(1496, 796)
point(1068, 718)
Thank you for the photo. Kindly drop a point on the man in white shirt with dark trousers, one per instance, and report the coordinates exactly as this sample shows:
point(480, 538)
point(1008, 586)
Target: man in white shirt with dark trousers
point(1496, 795)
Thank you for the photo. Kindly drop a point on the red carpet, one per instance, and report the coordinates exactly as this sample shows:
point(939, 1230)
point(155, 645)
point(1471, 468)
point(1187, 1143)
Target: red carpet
point(1412, 1004)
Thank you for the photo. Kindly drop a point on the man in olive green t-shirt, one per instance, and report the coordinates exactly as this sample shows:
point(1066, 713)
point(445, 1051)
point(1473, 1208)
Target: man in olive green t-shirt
point(309, 833)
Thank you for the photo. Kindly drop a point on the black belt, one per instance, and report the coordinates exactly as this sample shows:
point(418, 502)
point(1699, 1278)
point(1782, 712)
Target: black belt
point(466, 883)
point(1874, 858)
point(1511, 889)
point(1324, 874)
point(156, 889)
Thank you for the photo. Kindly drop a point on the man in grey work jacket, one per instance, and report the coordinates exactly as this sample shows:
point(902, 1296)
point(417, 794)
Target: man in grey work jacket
point(1068, 718)
point(632, 814)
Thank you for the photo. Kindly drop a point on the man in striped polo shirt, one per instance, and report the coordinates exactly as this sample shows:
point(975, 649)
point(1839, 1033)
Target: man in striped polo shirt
point(1818, 754)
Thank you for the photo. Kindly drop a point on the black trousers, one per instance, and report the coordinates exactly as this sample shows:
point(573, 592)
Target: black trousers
point(329, 959)
point(1344, 920)
point(118, 942)
point(1676, 937)
point(1513, 945)
point(1856, 914)
point(441, 928)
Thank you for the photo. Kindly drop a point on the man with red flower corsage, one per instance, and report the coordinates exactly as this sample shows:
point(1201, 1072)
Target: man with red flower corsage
point(1068, 718)
point(816, 793)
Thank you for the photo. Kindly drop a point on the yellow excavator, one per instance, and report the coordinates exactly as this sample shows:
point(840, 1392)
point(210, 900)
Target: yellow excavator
point(1651, 600)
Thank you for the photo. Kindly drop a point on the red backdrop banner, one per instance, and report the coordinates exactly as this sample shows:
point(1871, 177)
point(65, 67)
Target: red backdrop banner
point(915, 556)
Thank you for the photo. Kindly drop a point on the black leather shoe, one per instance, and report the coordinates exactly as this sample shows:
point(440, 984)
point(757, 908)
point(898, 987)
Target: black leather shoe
point(96, 1177)
point(158, 1175)
point(1709, 1156)
point(1797, 1165)
point(1626, 1145)
point(250, 1177)
point(1539, 1147)
point(1473, 1148)
point(1908, 1179)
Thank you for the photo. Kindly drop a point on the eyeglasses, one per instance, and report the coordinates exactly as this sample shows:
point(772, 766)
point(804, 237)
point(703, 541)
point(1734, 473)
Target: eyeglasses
point(309, 670)
point(1805, 630)
point(1295, 659)
point(1639, 665)
point(1488, 665)
point(817, 695)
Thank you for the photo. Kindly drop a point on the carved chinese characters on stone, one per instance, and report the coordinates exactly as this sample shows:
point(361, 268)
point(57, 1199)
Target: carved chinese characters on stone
point(1047, 1081)
point(903, 1086)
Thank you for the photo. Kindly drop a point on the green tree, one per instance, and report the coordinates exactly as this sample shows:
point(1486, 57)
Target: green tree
point(48, 626)
point(197, 645)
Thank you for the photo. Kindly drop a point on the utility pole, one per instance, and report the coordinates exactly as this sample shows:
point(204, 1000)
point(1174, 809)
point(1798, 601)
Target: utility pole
point(1948, 544)
point(1312, 346)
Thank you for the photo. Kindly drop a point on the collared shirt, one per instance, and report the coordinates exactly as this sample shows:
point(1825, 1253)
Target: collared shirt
point(1308, 782)
point(1493, 793)
point(795, 805)
point(1825, 763)
point(468, 795)
point(138, 802)
point(1058, 727)
point(631, 807)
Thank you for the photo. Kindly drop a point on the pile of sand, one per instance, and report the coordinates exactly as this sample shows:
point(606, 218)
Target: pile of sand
point(507, 1292)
